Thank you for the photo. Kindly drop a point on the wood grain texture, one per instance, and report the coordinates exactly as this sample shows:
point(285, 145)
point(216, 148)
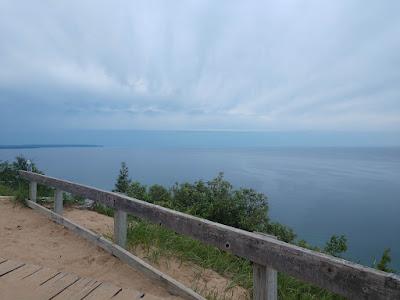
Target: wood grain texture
point(79, 290)
point(103, 292)
point(20, 273)
point(128, 295)
point(265, 283)
point(265, 280)
point(38, 283)
point(120, 228)
point(337, 275)
point(55, 285)
point(58, 201)
point(173, 286)
point(9, 266)
point(32, 191)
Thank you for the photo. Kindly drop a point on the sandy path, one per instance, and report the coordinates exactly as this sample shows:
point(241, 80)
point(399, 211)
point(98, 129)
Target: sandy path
point(30, 237)
point(27, 236)
point(206, 282)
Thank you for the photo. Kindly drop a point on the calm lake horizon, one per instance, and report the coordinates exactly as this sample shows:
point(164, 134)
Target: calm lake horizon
point(318, 191)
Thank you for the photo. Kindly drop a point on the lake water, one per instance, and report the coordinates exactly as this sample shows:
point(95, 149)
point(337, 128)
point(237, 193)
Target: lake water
point(316, 191)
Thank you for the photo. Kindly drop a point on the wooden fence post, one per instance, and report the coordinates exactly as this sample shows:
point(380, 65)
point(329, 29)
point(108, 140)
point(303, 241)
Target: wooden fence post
point(265, 281)
point(32, 191)
point(120, 227)
point(58, 201)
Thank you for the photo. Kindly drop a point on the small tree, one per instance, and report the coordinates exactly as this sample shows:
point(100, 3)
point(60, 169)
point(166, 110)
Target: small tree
point(383, 264)
point(123, 180)
point(336, 245)
point(284, 233)
point(159, 194)
point(138, 191)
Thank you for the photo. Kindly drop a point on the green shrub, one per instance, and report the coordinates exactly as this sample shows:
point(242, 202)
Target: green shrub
point(69, 199)
point(6, 190)
point(102, 209)
point(384, 262)
point(336, 245)
point(137, 190)
point(159, 194)
point(10, 178)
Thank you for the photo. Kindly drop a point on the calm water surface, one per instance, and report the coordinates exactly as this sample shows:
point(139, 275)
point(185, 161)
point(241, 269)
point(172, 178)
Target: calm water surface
point(316, 191)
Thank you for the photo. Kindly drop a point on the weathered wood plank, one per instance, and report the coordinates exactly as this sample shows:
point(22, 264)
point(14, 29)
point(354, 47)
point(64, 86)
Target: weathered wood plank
point(20, 273)
point(27, 287)
point(43, 284)
point(78, 290)
point(337, 275)
point(128, 294)
point(9, 266)
point(265, 283)
point(70, 187)
point(120, 228)
point(32, 191)
point(168, 282)
point(58, 201)
point(8, 283)
point(40, 277)
point(38, 283)
point(103, 292)
point(265, 280)
point(55, 286)
point(173, 286)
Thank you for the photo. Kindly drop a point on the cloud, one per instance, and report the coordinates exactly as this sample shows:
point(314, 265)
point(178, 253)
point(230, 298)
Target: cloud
point(259, 65)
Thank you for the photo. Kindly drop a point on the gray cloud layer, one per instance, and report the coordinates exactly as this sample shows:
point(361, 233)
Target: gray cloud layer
point(263, 65)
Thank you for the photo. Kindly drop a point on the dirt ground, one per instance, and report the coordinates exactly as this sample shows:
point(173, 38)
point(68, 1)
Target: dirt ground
point(204, 281)
point(31, 238)
point(27, 236)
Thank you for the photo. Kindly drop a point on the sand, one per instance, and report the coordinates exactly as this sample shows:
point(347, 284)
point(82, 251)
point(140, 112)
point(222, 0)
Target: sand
point(25, 235)
point(204, 281)
point(29, 237)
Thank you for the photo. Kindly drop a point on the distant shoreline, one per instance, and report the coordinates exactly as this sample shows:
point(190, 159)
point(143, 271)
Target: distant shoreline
point(48, 146)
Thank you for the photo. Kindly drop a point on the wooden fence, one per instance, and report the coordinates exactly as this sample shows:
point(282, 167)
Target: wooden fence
point(268, 254)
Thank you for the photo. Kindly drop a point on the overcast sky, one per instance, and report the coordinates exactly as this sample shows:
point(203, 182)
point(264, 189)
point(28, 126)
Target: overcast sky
point(240, 65)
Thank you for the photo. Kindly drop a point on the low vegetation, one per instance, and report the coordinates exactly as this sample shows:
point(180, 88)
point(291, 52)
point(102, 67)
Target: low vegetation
point(11, 184)
point(216, 200)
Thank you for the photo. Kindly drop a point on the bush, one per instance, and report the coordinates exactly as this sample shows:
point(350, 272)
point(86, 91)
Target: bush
point(138, 191)
point(22, 194)
point(384, 262)
point(158, 193)
point(104, 210)
point(69, 199)
point(282, 232)
point(215, 200)
point(6, 190)
point(336, 245)
point(9, 176)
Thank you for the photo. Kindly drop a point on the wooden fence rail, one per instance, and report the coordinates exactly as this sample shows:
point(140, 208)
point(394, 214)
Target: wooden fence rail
point(334, 274)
